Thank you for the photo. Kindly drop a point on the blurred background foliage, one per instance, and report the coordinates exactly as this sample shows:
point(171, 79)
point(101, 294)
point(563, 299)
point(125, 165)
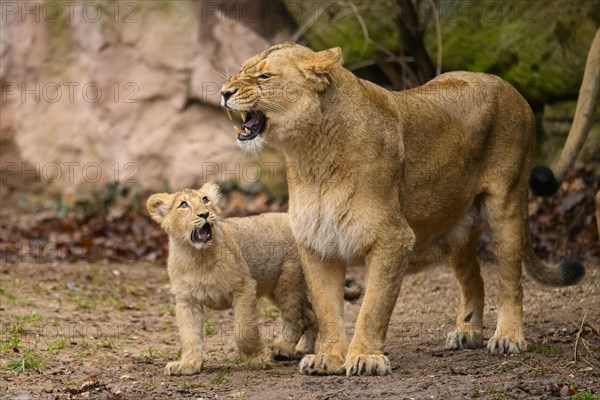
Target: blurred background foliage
point(540, 47)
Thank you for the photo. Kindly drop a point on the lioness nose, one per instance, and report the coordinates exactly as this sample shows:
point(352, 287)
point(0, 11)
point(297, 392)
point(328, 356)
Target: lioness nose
point(203, 215)
point(227, 94)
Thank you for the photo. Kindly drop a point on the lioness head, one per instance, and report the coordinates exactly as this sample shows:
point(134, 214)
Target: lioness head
point(187, 216)
point(276, 90)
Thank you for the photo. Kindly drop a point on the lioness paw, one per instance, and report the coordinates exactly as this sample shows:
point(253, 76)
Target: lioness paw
point(321, 364)
point(372, 364)
point(183, 367)
point(457, 340)
point(506, 345)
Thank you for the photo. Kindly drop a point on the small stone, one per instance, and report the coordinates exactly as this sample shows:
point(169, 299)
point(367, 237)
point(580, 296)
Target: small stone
point(565, 392)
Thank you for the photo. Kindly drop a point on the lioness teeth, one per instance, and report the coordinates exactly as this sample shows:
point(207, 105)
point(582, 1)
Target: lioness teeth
point(230, 114)
point(243, 115)
point(237, 129)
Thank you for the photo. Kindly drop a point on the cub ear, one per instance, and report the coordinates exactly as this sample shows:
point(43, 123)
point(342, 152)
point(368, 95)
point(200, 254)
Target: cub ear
point(158, 206)
point(318, 66)
point(212, 191)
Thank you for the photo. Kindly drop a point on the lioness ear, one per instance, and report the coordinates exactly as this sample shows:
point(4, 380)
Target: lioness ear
point(212, 191)
point(318, 66)
point(158, 206)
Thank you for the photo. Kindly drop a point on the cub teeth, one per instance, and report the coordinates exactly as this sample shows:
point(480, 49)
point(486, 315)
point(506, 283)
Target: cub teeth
point(243, 115)
point(237, 129)
point(230, 114)
point(247, 131)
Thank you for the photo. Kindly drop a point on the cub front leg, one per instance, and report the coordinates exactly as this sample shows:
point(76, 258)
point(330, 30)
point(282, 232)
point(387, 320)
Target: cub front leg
point(190, 317)
point(247, 332)
point(386, 265)
point(325, 282)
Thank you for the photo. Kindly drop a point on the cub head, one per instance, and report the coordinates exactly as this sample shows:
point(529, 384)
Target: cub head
point(276, 92)
point(188, 216)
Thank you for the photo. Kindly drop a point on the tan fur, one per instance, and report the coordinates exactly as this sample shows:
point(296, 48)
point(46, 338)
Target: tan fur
point(246, 258)
point(397, 179)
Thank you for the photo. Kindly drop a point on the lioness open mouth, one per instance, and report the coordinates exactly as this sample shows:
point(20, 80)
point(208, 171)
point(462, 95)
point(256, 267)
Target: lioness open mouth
point(253, 124)
point(201, 234)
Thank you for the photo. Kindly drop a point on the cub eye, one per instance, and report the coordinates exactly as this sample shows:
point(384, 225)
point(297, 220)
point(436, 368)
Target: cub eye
point(183, 204)
point(205, 200)
point(264, 76)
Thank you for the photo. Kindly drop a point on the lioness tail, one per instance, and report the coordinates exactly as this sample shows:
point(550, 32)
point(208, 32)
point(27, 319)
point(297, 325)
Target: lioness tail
point(352, 290)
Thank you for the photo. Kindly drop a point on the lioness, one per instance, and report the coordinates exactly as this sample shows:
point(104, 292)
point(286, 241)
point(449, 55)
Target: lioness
point(399, 180)
point(229, 263)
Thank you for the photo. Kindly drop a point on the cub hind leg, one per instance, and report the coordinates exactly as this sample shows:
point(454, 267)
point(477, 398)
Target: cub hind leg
point(289, 295)
point(306, 345)
point(469, 321)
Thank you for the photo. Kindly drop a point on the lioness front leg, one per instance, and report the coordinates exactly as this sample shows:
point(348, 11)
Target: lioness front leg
point(189, 314)
point(386, 265)
point(247, 333)
point(325, 282)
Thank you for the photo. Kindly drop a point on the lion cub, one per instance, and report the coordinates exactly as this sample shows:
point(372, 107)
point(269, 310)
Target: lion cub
point(223, 263)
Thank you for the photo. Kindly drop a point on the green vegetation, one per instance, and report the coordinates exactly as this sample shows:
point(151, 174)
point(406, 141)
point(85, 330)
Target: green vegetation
point(585, 395)
point(29, 360)
point(543, 349)
point(56, 345)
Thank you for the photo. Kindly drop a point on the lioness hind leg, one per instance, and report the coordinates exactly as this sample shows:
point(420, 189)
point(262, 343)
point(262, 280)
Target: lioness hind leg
point(469, 322)
point(506, 217)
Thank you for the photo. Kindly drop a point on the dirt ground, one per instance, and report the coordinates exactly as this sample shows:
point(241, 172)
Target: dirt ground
point(105, 331)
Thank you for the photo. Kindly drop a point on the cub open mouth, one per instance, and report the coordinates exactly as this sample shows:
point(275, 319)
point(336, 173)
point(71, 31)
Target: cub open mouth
point(253, 124)
point(201, 234)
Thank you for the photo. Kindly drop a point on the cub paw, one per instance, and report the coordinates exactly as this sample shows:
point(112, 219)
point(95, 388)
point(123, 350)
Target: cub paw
point(457, 340)
point(283, 351)
point(183, 367)
point(368, 364)
point(321, 364)
point(260, 359)
point(506, 345)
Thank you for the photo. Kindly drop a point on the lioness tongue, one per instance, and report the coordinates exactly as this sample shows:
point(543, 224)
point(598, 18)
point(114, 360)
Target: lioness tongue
point(251, 122)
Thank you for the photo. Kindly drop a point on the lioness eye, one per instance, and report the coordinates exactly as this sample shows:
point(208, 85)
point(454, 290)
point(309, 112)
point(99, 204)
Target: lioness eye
point(264, 76)
point(183, 205)
point(205, 200)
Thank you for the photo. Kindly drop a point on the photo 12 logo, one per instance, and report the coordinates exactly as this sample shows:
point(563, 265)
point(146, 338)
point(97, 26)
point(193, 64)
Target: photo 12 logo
point(58, 11)
point(53, 92)
point(69, 171)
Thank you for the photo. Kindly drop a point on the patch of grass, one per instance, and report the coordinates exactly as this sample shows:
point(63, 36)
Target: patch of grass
point(585, 395)
point(209, 328)
point(219, 379)
point(33, 317)
point(12, 343)
point(169, 309)
point(498, 394)
point(56, 345)
point(150, 354)
point(29, 360)
point(106, 343)
point(86, 303)
point(543, 349)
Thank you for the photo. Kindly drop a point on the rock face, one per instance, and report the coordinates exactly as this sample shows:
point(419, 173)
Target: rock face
point(94, 92)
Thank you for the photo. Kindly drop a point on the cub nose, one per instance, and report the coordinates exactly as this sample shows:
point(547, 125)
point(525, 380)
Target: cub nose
point(203, 215)
point(227, 94)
